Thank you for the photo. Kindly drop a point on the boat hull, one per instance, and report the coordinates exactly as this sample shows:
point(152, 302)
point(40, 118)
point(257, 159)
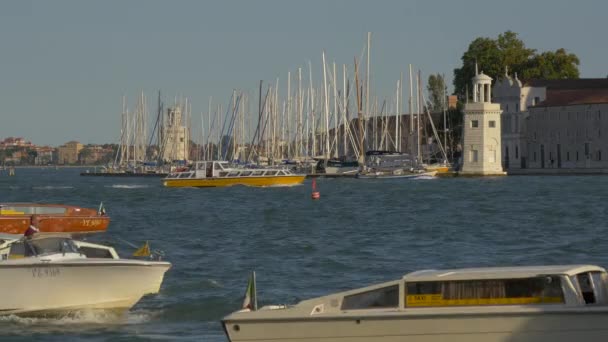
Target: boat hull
point(395, 176)
point(232, 181)
point(533, 327)
point(57, 287)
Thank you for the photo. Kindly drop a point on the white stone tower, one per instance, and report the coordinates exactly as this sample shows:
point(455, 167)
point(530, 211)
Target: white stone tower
point(482, 133)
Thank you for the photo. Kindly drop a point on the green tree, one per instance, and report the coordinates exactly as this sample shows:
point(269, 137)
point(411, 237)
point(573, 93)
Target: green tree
point(508, 51)
point(553, 65)
point(437, 92)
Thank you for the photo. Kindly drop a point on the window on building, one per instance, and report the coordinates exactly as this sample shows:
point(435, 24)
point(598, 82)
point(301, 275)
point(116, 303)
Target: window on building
point(517, 107)
point(507, 108)
point(534, 155)
point(474, 123)
point(567, 156)
point(576, 155)
point(586, 149)
point(599, 155)
point(473, 156)
point(516, 151)
point(492, 123)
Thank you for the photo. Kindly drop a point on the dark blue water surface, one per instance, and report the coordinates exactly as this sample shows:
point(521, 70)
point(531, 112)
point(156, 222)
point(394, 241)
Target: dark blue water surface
point(360, 232)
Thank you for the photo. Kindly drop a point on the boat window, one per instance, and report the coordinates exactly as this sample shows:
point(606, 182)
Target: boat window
point(246, 173)
point(275, 173)
point(586, 285)
point(257, 173)
point(538, 290)
point(233, 174)
point(17, 250)
point(49, 246)
point(173, 175)
point(223, 173)
point(386, 297)
point(92, 252)
point(186, 175)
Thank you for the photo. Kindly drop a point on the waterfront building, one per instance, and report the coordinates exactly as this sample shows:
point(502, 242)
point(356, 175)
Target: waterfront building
point(174, 137)
point(482, 130)
point(68, 153)
point(554, 124)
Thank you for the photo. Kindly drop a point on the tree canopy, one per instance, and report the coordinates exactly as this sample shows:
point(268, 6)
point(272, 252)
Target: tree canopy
point(508, 51)
point(437, 92)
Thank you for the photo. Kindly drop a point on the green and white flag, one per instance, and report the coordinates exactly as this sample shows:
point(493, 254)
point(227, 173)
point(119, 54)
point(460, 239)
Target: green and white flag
point(250, 302)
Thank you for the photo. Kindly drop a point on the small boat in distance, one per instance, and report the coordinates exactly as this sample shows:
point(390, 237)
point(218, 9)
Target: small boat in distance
point(15, 218)
point(52, 274)
point(492, 304)
point(221, 174)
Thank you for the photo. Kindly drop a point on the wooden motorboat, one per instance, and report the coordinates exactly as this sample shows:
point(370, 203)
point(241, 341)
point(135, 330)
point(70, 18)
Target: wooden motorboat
point(16, 218)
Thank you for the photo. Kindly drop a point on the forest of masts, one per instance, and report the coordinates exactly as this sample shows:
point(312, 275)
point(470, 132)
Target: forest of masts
point(338, 119)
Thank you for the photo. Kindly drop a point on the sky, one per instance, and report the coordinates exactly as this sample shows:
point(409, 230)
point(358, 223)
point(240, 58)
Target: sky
point(65, 65)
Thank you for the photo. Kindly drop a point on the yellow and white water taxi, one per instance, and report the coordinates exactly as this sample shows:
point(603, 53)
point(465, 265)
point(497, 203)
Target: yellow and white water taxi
point(221, 173)
point(561, 303)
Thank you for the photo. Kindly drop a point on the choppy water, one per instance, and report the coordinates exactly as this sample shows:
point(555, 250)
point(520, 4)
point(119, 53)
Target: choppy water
point(360, 232)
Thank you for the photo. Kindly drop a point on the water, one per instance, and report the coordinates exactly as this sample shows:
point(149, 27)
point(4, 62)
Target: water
point(359, 233)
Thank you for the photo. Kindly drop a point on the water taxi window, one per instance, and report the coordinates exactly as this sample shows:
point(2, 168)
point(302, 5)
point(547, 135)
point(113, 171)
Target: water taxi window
point(538, 290)
point(173, 175)
point(257, 173)
point(185, 175)
point(246, 173)
point(386, 297)
point(233, 174)
point(48, 246)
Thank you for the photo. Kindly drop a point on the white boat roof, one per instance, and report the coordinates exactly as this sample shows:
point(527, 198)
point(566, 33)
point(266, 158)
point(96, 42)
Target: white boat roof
point(514, 272)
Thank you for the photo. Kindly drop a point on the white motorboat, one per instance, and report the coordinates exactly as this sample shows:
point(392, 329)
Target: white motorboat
point(504, 304)
point(52, 273)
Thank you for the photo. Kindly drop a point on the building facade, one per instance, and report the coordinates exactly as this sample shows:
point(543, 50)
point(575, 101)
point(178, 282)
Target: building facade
point(68, 153)
point(557, 124)
point(482, 131)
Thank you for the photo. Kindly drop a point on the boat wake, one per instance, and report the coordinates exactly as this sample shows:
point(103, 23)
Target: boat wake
point(82, 317)
point(128, 186)
point(425, 178)
point(53, 187)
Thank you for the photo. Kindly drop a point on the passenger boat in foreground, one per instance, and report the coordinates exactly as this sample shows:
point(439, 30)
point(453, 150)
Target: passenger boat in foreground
point(15, 218)
point(524, 304)
point(54, 274)
point(221, 173)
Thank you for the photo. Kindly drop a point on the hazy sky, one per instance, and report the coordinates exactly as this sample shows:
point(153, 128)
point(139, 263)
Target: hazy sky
point(64, 65)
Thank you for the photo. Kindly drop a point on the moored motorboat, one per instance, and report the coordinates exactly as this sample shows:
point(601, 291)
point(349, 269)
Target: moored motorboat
point(222, 174)
point(15, 218)
point(54, 274)
point(371, 174)
point(495, 304)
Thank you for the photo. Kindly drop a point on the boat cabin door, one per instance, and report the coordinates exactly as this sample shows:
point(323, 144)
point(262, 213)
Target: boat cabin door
point(201, 168)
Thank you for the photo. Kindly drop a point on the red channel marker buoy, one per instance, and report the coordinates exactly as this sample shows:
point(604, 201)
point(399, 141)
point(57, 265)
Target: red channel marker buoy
point(315, 194)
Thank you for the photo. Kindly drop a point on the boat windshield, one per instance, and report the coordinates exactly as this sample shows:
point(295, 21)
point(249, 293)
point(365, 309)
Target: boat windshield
point(386, 297)
point(49, 246)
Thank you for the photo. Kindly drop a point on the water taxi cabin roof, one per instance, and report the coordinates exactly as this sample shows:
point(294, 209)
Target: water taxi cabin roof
point(499, 272)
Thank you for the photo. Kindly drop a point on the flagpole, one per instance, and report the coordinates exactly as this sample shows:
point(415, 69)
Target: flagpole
point(255, 293)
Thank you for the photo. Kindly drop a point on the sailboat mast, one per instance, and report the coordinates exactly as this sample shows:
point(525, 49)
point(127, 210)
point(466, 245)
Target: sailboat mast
point(326, 109)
